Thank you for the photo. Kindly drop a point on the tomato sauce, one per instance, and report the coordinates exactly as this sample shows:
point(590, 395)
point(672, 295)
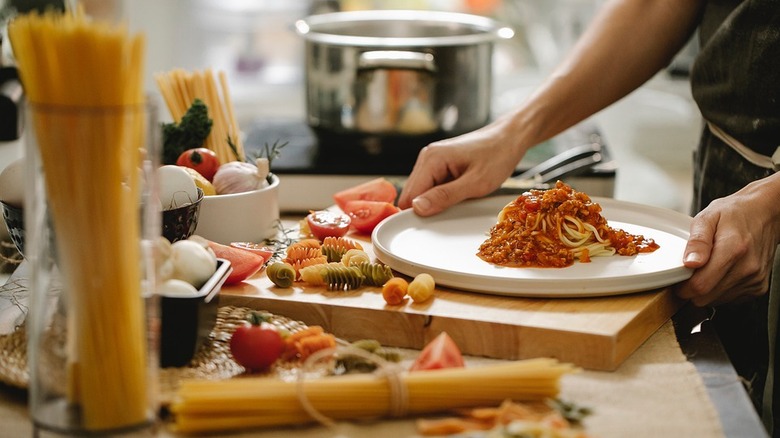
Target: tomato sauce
point(551, 228)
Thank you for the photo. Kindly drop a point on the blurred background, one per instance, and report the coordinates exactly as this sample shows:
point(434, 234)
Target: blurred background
point(650, 134)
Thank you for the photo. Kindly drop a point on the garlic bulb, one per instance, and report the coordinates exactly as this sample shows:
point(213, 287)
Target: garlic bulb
point(239, 177)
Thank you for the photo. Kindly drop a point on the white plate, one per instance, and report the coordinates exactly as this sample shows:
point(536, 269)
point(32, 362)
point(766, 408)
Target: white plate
point(446, 245)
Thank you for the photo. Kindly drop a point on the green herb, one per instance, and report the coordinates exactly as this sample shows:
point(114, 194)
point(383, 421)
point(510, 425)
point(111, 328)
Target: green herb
point(233, 148)
point(569, 410)
point(189, 133)
point(271, 152)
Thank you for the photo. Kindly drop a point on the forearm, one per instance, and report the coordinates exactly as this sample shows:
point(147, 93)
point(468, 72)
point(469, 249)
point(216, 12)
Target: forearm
point(628, 42)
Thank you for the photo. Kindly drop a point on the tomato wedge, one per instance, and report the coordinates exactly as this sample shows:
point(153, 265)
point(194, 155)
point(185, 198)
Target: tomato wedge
point(245, 263)
point(326, 223)
point(256, 248)
point(441, 352)
point(378, 189)
point(367, 214)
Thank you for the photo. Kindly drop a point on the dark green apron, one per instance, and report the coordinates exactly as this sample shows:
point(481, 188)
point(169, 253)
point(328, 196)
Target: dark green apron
point(736, 84)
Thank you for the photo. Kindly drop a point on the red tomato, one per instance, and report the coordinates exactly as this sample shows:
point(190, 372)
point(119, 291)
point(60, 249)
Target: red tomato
point(203, 160)
point(442, 352)
point(245, 263)
point(325, 223)
point(367, 214)
point(255, 248)
point(378, 189)
point(256, 347)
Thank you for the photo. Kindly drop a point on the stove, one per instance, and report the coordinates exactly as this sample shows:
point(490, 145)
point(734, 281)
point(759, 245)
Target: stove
point(314, 165)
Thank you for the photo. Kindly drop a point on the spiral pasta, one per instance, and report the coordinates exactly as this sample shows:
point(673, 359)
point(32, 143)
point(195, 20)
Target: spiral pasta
point(376, 274)
point(355, 256)
point(335, 247)
point(421, 288)
point(281, 274)
point(335, 276)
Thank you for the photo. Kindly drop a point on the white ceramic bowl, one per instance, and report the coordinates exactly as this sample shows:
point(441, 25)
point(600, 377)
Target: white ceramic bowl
point(240, 217)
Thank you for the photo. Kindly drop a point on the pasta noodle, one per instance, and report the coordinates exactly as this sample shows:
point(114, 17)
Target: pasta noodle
point(180, 89)
point(421, 288)
point(335, 247)
point(334, 275)
point(281, 274)
point(552, 228)
point(84, 83)
point(355, 257)
point(211, 406)
point(376, 274)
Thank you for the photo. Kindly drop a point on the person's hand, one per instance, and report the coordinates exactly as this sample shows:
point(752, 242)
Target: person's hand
point(732, 245)
point(468, 166)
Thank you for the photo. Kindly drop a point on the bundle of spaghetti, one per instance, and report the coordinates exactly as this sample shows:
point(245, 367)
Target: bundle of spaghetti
point(255, 402)
point(84, 83)
point(180, 88)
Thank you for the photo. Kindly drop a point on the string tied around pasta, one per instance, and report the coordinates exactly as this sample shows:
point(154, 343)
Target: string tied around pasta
point(399, 394)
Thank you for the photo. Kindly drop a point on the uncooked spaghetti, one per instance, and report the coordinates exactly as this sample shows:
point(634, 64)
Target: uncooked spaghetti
point(83, 80)
point(253, 402)
point(180, 88)
point(552, 228)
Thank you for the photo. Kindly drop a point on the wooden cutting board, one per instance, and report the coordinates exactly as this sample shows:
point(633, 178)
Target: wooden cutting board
point(593, 333)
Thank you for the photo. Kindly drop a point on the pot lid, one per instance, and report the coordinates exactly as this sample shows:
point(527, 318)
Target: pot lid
point(401, 28)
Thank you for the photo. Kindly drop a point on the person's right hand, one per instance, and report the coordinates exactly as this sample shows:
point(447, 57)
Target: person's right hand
point(468, 166)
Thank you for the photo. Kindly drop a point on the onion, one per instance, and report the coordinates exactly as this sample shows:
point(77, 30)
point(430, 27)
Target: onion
point(192, 262)
point(240, 177)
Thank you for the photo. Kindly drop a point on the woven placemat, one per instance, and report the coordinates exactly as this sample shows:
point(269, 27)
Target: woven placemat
point(211, 361)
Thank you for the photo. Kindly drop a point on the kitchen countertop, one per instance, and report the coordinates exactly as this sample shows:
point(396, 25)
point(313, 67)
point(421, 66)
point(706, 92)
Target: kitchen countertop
point(697, 342)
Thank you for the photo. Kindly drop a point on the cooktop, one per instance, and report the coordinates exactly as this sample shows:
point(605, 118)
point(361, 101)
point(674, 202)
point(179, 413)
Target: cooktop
point(314, 164)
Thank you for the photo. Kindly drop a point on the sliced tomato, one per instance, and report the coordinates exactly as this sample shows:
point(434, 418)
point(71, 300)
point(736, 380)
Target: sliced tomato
point(245, 263)
point(378, 189)
point(367, 214)
point(326, 223)
point(441, 352)
point(256, 248)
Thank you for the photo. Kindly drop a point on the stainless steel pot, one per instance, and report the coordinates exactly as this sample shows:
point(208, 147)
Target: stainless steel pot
point(406, 73)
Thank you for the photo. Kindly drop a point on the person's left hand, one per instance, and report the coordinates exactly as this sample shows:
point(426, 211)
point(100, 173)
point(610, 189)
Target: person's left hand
point(732, 245)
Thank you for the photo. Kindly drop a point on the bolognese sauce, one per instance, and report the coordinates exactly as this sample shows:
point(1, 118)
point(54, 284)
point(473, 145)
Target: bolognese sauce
point(552, 228)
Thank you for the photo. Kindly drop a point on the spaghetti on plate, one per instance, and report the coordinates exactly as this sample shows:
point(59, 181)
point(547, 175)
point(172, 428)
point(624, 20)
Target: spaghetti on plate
point(553, 228)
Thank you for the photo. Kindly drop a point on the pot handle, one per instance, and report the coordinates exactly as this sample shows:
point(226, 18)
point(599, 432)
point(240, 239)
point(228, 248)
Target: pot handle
point(397, 59)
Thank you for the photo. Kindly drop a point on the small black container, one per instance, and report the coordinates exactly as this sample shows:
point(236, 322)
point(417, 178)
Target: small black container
point(186, 322)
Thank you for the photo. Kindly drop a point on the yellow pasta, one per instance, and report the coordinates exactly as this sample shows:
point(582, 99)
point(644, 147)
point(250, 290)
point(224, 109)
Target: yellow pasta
point(211, 406)
point(355, 256)
point(180, 88)
point(84, 83)
point(421, 288)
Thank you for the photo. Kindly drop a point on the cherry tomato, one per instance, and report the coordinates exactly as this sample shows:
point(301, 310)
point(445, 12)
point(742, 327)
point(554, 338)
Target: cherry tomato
point(367, 214)
point(325, 223)
point(256, 345)
point(203, 160)
point(441, 352)
point(378, 189)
